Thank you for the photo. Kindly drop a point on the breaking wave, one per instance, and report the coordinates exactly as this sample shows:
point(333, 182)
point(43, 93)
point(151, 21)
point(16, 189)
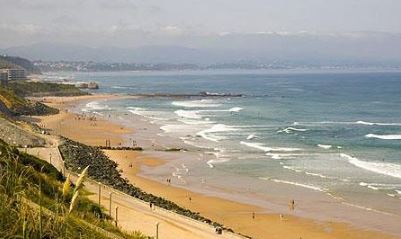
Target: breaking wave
point(387, 136)
point(389, 169)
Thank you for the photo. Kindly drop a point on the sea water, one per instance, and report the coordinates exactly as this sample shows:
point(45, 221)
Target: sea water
point(333, 133)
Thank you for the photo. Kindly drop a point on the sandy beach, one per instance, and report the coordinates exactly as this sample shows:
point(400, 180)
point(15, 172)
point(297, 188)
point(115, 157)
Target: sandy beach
point(242, 218)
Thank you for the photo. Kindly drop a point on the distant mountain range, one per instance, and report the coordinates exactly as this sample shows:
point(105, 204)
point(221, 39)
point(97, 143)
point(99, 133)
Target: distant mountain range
point(264, 48)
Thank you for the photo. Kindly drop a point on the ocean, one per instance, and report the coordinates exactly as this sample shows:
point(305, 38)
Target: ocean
point(294, 135)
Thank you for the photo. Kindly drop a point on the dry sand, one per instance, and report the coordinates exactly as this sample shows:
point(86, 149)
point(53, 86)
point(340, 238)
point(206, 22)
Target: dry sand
point(234, 215)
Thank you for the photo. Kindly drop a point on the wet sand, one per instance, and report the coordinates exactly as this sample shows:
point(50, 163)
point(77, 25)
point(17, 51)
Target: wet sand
point(237, 216)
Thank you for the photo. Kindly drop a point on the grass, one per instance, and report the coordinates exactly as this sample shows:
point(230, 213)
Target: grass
point(29, 88)
point(32, 203)
point(13, 104)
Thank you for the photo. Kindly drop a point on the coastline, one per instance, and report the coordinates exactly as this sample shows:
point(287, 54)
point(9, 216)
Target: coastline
point(237, 216)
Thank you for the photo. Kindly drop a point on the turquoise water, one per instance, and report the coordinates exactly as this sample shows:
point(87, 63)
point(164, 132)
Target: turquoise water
point(337, 133)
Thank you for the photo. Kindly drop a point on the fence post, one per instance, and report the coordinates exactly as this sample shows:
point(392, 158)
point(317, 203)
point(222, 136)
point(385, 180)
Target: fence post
point(111, 194)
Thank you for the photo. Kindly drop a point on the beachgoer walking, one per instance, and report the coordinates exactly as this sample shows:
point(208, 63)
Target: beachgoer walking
point(291, 205)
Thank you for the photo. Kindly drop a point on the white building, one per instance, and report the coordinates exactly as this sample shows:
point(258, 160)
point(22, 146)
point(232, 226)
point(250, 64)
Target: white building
point(12, 74)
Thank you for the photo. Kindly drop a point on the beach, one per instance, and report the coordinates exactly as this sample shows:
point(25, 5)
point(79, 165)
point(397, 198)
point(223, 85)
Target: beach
point(243, 218)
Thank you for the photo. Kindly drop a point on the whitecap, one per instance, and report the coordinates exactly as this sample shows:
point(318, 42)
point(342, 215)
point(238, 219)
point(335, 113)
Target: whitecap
point(380, 124)
point(251, 136)
point(292, 169)
point(204, 103)
point(389, 169)
point(268, 149)
point(190, 114)
point(388, 136)
point(289, 130)
point(217, 128)
point(325, 146)
point(363, 184)
point(235, 109)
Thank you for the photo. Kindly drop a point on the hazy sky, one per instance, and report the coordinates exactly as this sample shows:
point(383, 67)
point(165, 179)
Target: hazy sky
point(143, 22)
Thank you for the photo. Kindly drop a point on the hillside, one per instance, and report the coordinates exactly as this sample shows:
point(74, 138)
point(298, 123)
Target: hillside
point(35, 202)
point(29, 88)
point(13, 105)
point(18, 62)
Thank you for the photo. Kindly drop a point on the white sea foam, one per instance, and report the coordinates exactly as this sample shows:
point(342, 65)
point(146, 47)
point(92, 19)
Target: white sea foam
point(308, 173)
point(318, 175)
point(388, 136)
point(289, 130)
point(378, 186)
point(292, 169)
point(363, 184)
point(196, 122)
point(217, 128)
point(178, 128)
point(251, 136)
point(190, 114)
point(95, 105)
point(364, 123)
point(235, 109)
point(212, 162)
point(389, 169)
point(269, 149)
point(325, 146)
point(281, 156)
point(312, 187)
point(365, 208)
point(122, 87)
point(204, 103)
point(360, 122)
point(380, 124)
point(144, 113)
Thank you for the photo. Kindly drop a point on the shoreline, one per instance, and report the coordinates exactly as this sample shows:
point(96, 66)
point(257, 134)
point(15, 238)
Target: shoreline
point(237, 216)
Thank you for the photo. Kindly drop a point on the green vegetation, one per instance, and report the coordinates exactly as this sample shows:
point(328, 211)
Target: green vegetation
point(104, 170)
point(12, 104)
point(18, 62)
point(29, 88)
point(32, 203)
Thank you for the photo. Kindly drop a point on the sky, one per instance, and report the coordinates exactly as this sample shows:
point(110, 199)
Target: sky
point(204, 31)
point(132, 23)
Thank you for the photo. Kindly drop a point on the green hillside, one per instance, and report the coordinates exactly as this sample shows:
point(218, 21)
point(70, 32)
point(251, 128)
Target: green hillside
point(29, 88)
point(13, 105)
point(35, 203)
point(18, 62)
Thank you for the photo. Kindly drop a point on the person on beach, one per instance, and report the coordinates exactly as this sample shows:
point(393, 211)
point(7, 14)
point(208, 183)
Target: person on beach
point(253, 215)
point(291, 205)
